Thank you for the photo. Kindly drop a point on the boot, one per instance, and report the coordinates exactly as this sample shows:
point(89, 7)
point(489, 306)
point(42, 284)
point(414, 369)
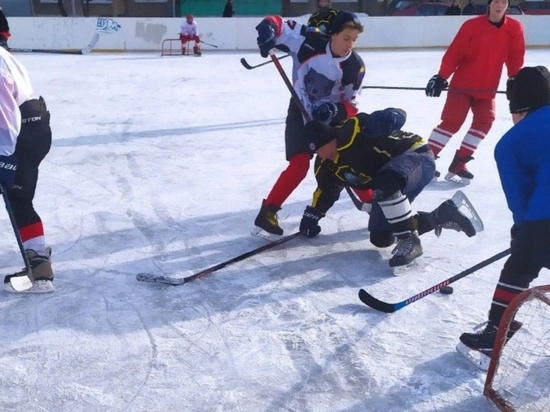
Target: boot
point(42, 273)
point(458, 168)
point(267, 219)
point(408, 248)
point(197, 51)
point(484, 341)
point(446, 216)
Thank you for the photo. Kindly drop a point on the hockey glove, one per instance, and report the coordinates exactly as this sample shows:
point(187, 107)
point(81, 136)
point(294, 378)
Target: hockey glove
point(436, 85)
point(266, 37)
point(309, 224)
point(8, 167)
point(325, 112)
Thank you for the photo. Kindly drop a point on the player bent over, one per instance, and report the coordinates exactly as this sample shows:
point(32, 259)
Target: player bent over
point(189, 30)
point(372, 152)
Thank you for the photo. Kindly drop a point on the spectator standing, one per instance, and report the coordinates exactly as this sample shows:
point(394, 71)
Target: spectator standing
point(228, 10)
point(454, 9)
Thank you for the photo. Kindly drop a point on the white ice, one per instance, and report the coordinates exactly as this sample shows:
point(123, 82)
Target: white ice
point(160, 165)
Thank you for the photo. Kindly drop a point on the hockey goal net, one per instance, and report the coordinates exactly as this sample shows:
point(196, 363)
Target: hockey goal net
point(518, 378)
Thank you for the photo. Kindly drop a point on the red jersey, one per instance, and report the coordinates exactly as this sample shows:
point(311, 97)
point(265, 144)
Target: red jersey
point(479, 51)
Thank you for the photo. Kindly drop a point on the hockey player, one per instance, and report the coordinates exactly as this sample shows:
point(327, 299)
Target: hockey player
point(323, 16)
point(4, 30)
point(25, 139)
point(328, 77)
point(475, 59)
point(523, 161)
point(189, 30)
point(372, 152)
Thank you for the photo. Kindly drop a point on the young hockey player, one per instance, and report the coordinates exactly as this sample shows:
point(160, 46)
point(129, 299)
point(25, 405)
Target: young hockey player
point(475, 59)
point(25, 140)
point(328, 77)
point(323, 16)
point(372, 152)
point(523, 161)
point(189, 30)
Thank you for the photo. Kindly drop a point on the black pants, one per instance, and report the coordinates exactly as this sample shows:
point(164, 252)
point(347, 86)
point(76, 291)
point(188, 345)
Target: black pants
point(33, 144)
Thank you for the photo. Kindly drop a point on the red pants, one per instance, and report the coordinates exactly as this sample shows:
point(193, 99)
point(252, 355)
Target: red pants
point(188, 37)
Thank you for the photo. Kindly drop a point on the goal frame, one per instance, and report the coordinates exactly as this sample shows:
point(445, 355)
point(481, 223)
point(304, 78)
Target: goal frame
point(537, 292)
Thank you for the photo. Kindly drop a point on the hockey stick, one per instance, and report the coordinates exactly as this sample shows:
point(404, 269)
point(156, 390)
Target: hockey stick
point(376, 304)
point(423, 89)
point(148, 277)
point(18, 283)
point(209, 44)
point(249, 67)
point(359, 205)
point(85, 50)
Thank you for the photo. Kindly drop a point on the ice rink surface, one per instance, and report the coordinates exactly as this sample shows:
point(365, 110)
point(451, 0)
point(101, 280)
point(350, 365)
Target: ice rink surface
point(160, 165)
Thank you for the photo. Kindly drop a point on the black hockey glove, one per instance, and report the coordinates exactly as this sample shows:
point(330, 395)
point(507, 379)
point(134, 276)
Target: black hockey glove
point(309, 224)
point(436, 85)
point(325, 112)
point(266, 37)
point(8, 166)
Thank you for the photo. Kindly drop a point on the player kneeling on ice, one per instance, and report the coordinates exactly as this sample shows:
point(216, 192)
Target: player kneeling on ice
point(523, 161)
point(372, 152)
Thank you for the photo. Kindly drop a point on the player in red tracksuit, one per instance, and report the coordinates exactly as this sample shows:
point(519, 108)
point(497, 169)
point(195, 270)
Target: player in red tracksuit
point(475, 60)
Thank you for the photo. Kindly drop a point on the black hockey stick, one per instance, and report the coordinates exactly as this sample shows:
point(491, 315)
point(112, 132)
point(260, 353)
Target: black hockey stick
point(209, 44)
point(18, 283)
point(85, 50)
point(374, 303)
point(249, 67)
point(423, 89)
point(148, 277)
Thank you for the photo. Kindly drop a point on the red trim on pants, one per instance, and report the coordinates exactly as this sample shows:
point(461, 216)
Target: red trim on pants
point(31, 231)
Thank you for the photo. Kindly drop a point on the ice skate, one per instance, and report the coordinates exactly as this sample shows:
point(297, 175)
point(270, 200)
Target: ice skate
point(40, 280)
point(408, 248)
point(458, 173)
point(267, 219)
point(197, 51)
point(448, 216)
point(477, 347)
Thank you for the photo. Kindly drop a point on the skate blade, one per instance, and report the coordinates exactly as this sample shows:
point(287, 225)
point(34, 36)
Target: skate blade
point(477, 358)
point(19, 286)
point(451, 177)
point(408, 268)
point(463, 204)
point(259, 232)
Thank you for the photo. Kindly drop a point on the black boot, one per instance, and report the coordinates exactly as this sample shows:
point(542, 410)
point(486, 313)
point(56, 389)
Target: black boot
point(484, 341)
point(458, 168)
point(408, 248)
point(267, 219)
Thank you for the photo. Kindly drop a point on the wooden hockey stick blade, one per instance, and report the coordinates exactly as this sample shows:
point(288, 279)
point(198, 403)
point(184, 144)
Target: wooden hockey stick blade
point(21, 283)
point(380, 306)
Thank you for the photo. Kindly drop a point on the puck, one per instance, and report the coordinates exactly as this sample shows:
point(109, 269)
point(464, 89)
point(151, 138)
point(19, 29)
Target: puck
point(446, 290)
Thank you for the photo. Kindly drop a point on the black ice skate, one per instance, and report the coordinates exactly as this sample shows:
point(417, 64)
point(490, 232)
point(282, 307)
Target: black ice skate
point(458, 173)
point(408, 248)
point(267, 219)
point(447, 216)
point(196, 51)
point(483, 342)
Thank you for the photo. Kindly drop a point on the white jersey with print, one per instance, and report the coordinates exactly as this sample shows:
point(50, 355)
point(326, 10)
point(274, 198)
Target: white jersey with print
point(15, 89)
point(189, 28)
